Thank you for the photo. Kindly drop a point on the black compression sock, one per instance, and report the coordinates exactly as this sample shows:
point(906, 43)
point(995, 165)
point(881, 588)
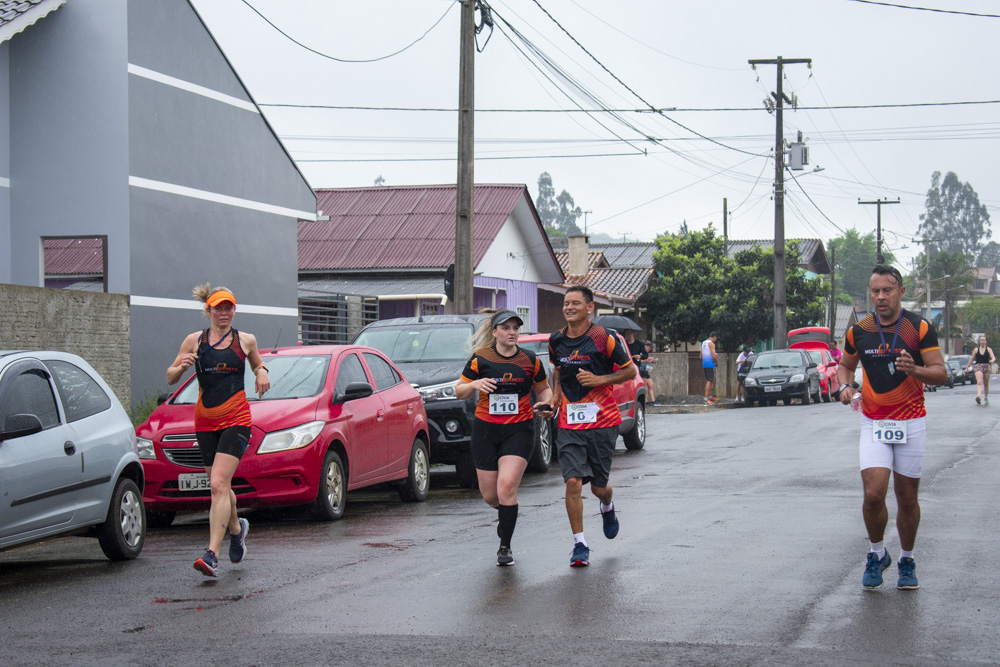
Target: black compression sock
point(508, 519)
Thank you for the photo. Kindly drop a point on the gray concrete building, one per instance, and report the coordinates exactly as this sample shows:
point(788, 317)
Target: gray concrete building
point(123, 121)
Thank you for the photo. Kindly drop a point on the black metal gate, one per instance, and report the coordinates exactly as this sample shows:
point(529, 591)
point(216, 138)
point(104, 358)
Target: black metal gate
point(334, 319)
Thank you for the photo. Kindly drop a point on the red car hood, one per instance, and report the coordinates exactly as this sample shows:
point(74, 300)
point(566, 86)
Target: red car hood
point(267, 415)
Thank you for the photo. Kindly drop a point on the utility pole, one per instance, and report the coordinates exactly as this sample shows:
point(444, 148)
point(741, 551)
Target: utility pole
point(878, 226)
point(725, 224)
point(585, 214)
point(833, 292)
point(780, 316)
point(466, 155)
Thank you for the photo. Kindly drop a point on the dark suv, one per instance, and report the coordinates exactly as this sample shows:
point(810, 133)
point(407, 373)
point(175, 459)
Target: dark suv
point(431, 352)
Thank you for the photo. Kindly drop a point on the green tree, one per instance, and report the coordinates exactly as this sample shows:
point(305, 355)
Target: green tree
point(699, 288)
point(989, 255)
point(855, 256)
point(558, 212)
point(954, 221)
point(983, 313)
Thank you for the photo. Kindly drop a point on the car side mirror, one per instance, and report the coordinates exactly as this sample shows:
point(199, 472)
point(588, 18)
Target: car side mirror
point(18, 426)
point(162, 398)
point(812, 364)
point(354, 391)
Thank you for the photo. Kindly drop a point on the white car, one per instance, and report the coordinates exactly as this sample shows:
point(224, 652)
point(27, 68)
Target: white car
point(68, 457)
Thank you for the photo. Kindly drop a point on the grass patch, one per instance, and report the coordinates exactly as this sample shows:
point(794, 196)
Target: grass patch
point(142, 409)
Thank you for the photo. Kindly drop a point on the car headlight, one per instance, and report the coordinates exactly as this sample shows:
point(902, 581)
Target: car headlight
point(145, 447)
point(290, 438)
point(749, 382)
point(438, 392)
point(798, 377)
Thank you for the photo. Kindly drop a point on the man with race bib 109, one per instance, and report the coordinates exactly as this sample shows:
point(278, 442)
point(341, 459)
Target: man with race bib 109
point(899, 353)
point(584, 357)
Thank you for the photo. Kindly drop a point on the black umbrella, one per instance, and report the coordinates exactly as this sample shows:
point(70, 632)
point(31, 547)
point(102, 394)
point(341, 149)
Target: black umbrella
point(617, 322)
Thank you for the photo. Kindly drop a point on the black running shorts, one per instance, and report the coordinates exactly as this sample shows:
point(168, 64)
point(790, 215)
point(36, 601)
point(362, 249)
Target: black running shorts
point(232, 441)
point(491, 441)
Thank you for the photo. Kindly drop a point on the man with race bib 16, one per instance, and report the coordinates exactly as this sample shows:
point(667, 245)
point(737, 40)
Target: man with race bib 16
point(899, 353)
point(584, 357)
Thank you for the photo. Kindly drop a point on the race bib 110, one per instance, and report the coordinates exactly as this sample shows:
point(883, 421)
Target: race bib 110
point(503, 404)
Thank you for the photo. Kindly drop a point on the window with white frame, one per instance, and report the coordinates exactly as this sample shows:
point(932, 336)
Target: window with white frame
point(524, 312)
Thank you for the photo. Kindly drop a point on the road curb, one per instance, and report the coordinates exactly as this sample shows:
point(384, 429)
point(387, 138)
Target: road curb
point(696, 408)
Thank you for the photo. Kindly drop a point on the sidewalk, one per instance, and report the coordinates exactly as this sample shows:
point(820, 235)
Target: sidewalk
point(676, 405)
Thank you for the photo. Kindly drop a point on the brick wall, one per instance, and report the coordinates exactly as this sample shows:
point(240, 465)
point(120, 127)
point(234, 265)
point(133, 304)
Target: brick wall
point(92, 325)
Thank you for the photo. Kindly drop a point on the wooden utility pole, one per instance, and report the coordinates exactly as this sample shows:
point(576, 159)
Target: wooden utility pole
point(780, 316)
point(833, 293)
point(466, 155)
point(878, 226)
point(725, 223)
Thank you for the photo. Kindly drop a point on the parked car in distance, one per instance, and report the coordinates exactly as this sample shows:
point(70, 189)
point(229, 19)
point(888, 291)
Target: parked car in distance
point(814, 341)
point(337, 418)
point(782, 374)
point(630, 396)
point(68, 457)
point(963, 361)
point(956, 372)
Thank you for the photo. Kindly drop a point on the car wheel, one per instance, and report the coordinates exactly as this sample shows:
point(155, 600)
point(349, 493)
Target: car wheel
point(541, 455)
point(805, 398)
point(159, 519)
point(826, 397)
point(816, 396)
point(418, 482)
point(331, 498)
point(124, 531)
point(465, 470)
point(636, 437)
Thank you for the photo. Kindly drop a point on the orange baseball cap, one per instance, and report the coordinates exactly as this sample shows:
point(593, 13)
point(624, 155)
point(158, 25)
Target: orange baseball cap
point(218, 297)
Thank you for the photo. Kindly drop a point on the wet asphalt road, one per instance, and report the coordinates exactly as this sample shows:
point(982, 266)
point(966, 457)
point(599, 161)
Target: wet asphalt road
point(741, 543)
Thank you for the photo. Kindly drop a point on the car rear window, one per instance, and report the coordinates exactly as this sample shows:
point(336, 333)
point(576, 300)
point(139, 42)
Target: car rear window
point(420, 343)
point(292, 376)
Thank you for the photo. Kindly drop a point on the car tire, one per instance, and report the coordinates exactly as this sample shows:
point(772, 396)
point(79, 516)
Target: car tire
point(417, 484)
point(635, 439)
point(159, 519)
point(816, 398)
point(826, 397)
point(805, 398)
point(124, 530)
point(465, 470)
point(545, 442)
point(331, 497)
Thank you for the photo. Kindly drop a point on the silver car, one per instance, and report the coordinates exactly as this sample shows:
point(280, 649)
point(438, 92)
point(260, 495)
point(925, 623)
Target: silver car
point(68, 458)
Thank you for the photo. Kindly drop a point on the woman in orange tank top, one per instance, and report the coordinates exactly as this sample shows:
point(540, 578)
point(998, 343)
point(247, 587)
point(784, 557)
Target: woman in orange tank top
point(222, 414)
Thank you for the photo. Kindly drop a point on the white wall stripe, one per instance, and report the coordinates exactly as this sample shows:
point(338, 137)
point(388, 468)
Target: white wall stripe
point(189, 304)
point(205, 195)
point(191, 87)
point(4, 182)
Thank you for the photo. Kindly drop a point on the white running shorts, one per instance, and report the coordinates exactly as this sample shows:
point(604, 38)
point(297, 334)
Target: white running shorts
point(906, 459)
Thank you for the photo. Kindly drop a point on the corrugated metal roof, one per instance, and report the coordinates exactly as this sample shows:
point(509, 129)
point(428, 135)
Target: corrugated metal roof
point(16, 15)
point(638, 253)
point(399, 227)
point(73, 257)
point(812, 251)
point(365, 286)
point(624, 282)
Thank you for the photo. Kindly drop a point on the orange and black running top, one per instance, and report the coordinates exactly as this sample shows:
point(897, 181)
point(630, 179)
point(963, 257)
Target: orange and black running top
point(596, 351)
point(222, 401)
point(510, 402)
point(887, 393)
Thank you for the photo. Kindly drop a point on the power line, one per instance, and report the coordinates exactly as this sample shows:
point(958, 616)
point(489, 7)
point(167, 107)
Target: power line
point(347, 60)
point(478, 159)
point(927, 9)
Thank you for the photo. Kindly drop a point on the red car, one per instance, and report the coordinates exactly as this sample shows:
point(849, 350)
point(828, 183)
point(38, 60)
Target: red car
point(337, 418)
point(813, 340)
point(631, 395)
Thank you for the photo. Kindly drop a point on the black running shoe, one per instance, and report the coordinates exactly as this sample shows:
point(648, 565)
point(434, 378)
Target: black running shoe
point(505, 556)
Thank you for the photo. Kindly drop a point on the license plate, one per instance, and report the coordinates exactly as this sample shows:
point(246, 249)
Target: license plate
point(773, 388)
point(197, 481)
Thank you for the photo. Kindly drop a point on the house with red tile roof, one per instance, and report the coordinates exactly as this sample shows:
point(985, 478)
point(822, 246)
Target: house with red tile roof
point(393, 245)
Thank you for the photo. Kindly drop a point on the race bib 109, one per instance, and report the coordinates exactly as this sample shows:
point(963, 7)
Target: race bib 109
point(889, 431)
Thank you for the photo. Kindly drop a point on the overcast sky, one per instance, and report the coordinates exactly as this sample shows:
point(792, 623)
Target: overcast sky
point(688, 56)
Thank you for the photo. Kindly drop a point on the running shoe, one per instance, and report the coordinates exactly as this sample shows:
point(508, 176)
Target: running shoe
point(208, 564)
point(505, 556)
point(874, 569)
point(238, 543)
point(907, 575)
point(580, 556)
point(986, 400)
point(610, 523)
point(978, 401)
point(713, 400)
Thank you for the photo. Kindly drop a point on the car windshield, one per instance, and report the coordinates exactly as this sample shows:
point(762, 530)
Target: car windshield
point(954, 363)
point(420, 343)
point(293, 376)
point(780, 360)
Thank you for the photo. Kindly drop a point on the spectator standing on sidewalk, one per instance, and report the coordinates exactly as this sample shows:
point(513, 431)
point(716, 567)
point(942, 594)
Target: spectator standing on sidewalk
point(709, 362)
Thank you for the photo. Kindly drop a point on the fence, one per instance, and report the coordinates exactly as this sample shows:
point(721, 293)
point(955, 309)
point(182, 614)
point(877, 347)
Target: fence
point(327, 318)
